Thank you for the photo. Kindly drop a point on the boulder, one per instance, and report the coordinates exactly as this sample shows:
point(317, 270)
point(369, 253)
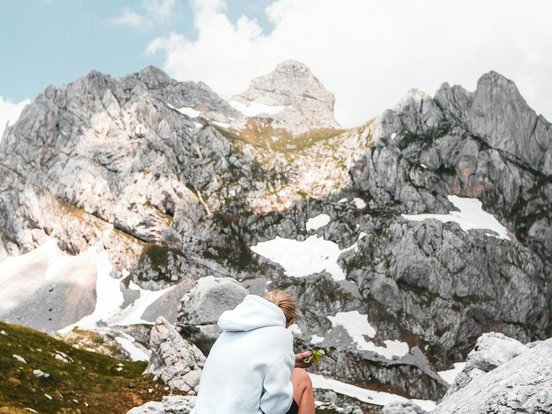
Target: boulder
point(169, 405)
point(202, 306)
point(173, 359)
point(521, 385)
point(491, 350)
point(402, 408)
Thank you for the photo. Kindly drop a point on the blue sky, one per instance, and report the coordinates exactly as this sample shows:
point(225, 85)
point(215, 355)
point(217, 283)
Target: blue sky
point(369, 53)
point(47, 42)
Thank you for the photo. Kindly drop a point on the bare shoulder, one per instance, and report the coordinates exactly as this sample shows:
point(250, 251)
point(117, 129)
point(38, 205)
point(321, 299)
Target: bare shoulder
point(301, 375)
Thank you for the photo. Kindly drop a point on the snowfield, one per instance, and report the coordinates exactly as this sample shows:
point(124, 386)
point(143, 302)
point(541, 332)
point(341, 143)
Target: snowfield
point(363, 394)
point(471, 216)
point(250, 109)
point(357, 327)
point(315, 223)
point(49, 290)
point(303, 258)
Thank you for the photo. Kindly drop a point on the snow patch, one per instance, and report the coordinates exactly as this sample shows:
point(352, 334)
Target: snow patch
point(363, 394)
point(19, 358)
point(127, 342)
point(357, 326)
point(132, 315)
point(316, 222)
point(303, 258)
point(315, 339)
point(294, 328)
point(471, 216)
point(359, 203)
point(109, 297)
point(255, 108)
point(24, 277)
point(186, 110)
point(224, 125)
point(191, 112)
point(450, 375)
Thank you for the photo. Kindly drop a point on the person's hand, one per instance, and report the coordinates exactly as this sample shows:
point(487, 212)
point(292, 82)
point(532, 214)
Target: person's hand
point(300, 359)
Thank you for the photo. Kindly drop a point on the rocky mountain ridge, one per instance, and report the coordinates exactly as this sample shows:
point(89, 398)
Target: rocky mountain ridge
point(152, 172)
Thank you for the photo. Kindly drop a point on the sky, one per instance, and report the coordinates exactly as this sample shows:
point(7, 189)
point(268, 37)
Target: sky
point(369, 53)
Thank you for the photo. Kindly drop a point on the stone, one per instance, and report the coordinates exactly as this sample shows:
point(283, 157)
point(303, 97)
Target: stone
point(521, 384)
point(174, 360)
point(202, 306)
point(402, 408)
point(491, 350)
point(168, 405)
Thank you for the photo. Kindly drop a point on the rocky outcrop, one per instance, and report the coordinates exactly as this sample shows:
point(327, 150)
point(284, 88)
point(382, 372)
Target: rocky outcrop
point(202, 306)
point(491, 350)
point(468, 144)
point(520, 385)
point(169, 405)
point(126, 170)
point(302, 102)
point(174, 360)
point(402, 408)
point(425, 150)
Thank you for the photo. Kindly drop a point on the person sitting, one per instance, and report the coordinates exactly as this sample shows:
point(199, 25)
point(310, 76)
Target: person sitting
point(251, 368)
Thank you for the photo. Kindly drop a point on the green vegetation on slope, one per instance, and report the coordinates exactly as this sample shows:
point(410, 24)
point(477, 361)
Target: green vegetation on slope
point(260, 133)
point(79, 381)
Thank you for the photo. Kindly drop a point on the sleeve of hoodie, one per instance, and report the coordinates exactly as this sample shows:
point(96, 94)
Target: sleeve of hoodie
point(278, 388)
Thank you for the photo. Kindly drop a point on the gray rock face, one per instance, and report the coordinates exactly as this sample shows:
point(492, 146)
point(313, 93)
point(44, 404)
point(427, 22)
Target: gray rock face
point(501, 117)
point(520, 385)
point(452, 144)
point(126, 170)
point(402, 408)
point(491, 350)
point(173, 359)
point(202, 306)
point(468, 144)
point(169, 405)
point(327, 400)
point(306, 103)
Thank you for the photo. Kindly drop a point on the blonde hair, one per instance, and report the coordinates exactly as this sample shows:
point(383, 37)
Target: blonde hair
point(285, 301)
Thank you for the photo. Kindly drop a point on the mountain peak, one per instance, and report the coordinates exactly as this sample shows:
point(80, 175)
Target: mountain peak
point(153, 76)
point(292, 66)
point(302, 100)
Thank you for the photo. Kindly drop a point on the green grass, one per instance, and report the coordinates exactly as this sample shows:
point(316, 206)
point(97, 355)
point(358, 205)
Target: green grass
point(260, 133)
point(158, 255)
point(88, 383)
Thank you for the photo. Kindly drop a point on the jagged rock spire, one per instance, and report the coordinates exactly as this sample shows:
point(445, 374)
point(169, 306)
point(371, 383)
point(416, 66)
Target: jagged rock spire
point(306, 103)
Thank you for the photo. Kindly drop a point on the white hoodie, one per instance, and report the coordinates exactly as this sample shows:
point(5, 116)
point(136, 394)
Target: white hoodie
point(249, 367)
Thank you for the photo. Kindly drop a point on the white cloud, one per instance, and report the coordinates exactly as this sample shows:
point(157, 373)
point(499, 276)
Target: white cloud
point(9, 113)
point(370, 52)
point(159, 9)
point(131, 19)
point(154, 11)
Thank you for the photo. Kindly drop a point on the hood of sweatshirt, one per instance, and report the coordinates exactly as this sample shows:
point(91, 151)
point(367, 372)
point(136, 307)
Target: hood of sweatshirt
point(254, 312)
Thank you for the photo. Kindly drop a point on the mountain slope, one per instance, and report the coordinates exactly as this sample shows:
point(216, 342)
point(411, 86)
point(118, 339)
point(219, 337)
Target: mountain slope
point(152, 172)
point(46, 375)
